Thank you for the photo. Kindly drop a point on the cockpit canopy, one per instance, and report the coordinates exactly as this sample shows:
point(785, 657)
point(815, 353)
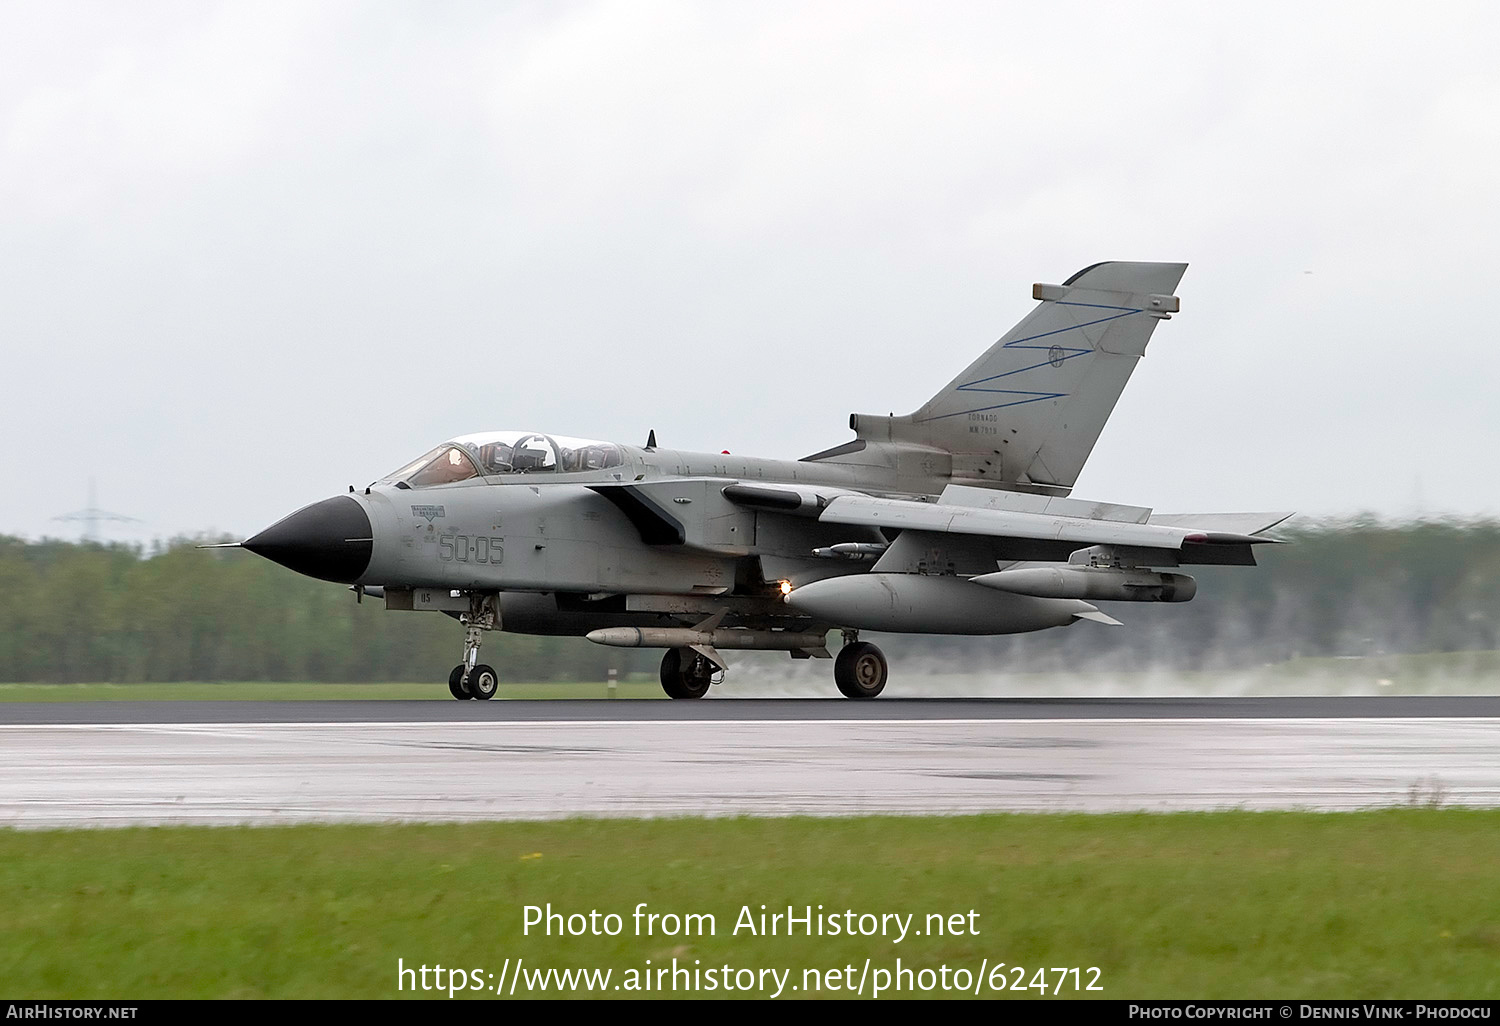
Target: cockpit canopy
point(506, 452)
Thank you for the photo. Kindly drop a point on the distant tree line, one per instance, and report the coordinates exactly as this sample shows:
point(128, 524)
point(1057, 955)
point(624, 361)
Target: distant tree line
point(85, 612)
point(81, 612)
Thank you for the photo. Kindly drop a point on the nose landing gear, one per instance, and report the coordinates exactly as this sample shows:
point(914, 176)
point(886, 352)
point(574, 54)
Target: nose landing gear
point(471, 678)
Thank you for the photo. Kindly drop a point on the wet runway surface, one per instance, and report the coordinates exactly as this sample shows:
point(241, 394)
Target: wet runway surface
point(447, 711)
point(233, 762)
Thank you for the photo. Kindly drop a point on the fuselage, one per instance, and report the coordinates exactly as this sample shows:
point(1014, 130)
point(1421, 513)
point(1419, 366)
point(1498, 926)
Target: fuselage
point(569, 548)
point(554, 532)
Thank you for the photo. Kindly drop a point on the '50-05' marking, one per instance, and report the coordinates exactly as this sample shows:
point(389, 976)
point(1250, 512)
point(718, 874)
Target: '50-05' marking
point(460, 548)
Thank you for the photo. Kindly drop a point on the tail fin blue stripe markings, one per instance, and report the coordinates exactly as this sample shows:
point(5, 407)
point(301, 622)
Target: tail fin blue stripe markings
point(970, 386)
point(1034, 397)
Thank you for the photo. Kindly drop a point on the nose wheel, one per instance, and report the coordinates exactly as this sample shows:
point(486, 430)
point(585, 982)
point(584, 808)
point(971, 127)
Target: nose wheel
point(482, 682)
point(457, 686)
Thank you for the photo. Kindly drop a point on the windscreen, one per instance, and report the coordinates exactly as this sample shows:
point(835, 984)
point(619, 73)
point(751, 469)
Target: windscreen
point(449, 465)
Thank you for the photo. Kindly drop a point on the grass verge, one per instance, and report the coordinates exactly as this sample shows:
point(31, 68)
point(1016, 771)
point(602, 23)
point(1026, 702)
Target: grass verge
point(1390, 904)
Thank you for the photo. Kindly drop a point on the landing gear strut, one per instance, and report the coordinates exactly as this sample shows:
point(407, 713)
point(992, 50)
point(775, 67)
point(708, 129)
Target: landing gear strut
point(685, 673)
point(860, 670)
point(471, 678)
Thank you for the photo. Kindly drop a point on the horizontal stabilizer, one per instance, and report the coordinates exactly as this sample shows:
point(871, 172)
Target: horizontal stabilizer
point(1049, 536)
point(1243, 524)
point(1026, 502)
point(1098, 617)
point(869, 511)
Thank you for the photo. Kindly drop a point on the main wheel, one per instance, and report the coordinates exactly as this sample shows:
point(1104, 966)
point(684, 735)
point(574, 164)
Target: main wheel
point(860, 670)
point(483, 682)
point(456, 685)
point(685, 673)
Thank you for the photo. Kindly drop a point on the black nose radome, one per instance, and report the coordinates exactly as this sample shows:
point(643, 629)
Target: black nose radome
point(330, 540)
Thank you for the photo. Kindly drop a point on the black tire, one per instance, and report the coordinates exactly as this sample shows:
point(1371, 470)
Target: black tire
point(483, 682)
point(455, 685)
point(685, 673)
point(860, 670)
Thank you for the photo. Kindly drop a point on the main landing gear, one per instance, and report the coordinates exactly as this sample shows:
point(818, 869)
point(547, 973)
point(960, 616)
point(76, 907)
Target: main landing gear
point(686, 674)
point(860, 669)
point(471, 678)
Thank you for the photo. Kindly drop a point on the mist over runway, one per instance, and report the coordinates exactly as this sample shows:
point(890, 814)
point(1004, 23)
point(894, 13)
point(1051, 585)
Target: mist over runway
point(125, 763)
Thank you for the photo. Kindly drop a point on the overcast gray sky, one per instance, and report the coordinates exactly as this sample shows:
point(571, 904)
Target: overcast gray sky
point(251, 253)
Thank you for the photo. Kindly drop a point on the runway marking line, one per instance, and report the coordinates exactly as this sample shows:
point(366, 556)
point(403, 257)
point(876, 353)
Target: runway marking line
point(365, 724)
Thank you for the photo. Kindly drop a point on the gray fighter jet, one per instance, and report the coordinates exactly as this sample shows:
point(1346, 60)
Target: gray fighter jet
point(954, 519)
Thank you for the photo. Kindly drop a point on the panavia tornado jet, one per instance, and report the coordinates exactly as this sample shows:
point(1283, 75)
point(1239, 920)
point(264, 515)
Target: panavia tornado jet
point(954, 519)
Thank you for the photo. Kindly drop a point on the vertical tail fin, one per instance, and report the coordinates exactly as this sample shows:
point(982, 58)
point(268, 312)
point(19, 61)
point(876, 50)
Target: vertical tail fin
point(1029, 411)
